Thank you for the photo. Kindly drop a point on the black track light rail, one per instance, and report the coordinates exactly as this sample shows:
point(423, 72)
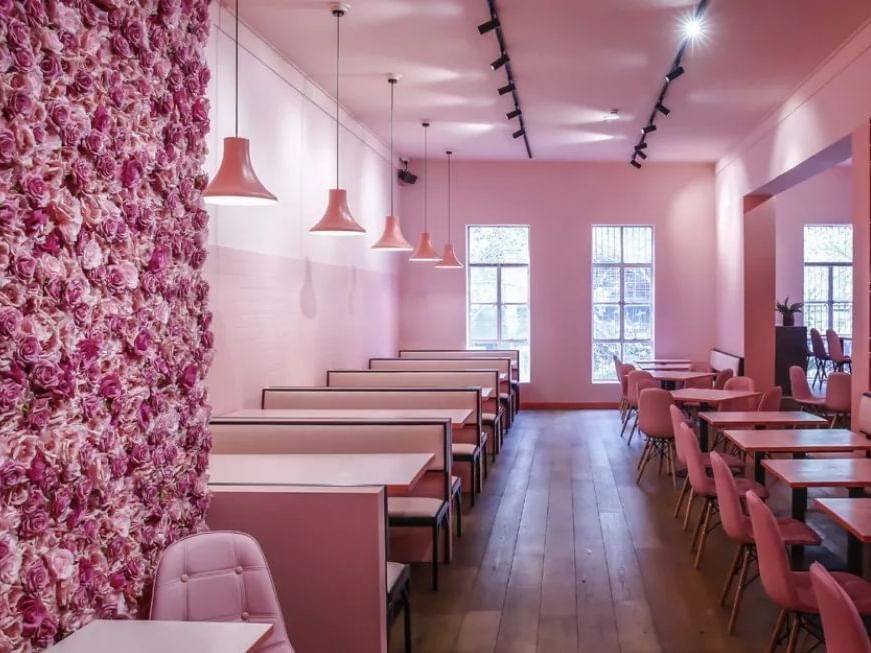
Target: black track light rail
point(676, 65)
point(503, 51)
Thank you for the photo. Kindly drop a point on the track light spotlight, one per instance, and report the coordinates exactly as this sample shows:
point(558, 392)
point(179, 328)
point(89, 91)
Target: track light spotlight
point(641, 154)
point(507, 88)
point(675, 72)
point(649, 127)
point(664, 110)
point(641, 145)
point(501, 61)
point(520, 132)
point(512, 114)
point(491, 24)
point(635, 163)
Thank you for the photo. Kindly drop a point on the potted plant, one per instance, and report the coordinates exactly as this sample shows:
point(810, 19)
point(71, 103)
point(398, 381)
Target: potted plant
point(788, 311)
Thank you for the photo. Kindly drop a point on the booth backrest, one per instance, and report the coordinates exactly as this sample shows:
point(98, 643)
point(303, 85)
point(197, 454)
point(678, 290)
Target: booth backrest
point(413, 379)
point(513, 354)
point(240, 435)
point(503, 365)
point(864, 419)
point(720, 360)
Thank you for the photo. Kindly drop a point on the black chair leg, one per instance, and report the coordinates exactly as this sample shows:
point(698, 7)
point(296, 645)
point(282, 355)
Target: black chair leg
point(435, 557)
point(407, 609)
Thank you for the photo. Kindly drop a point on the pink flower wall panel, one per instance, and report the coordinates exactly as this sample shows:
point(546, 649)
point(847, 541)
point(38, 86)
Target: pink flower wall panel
point(104, 332)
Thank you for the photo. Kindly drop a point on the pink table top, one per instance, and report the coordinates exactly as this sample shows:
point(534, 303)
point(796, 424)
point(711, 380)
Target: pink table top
point(458, 416)
point(655, 361)
point(665, 367)
point(762, 418)
point(853, 515)
point(821, 472)
point(798, 440)
point(709, 396)
point(679, 375)
point(112, 636)
point(399, 472)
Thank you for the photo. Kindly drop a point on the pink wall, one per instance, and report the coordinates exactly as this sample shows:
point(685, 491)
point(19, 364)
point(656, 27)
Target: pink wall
point(833, 104)
point(823, 199)
point(289, 304)
point(561, 202)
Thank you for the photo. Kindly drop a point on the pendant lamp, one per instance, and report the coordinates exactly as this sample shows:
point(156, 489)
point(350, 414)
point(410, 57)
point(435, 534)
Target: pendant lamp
point(425, 251)
point(337, 219)
point(392, 239)
point(235, 183)
point(449, 258)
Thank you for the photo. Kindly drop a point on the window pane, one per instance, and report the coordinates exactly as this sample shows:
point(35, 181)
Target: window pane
point(636, 285)
point(482, 322)
point(606, 245)
point(828, 243)
point(515, 322)
point(606, 321)
point(482, 285)
point(842, 283)
point(603, 360)
point(635, 351)
point(524, 361)
point(816, 316)
point(515, 285)
point(636, 323)
point(637, 245)
point(842, 318)
point(816, 283)
point(498, 245)
point(606, 283)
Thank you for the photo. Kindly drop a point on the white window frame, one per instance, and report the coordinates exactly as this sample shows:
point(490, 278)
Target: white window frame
point(621, 266)
point(829, 266)
point(499, 343)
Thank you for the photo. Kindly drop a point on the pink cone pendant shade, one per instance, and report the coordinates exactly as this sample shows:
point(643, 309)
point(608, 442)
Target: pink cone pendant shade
point(337, 219)
point(236, 183)
point(392, 239)
point(425, 251)
point(449, 260)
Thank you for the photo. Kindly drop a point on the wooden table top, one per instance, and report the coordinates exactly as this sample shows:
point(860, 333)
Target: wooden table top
point(679, 375)
point(664, 367)
point(762, 418)
point(399, 472)
point(655, 361)
point(798, 440)
point(853, 515)
point(821, 472)
point(111, 636)
point(710, 396)
point(458, 416)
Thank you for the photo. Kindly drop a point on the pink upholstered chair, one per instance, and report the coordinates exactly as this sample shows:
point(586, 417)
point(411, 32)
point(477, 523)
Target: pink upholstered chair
point(219, 576)
point(836, 352)
point(842, 623)
point(635, 379)
point(771, 399)
point(801, 392)
point(737, 526)
point(722, 377)
point(743, 384)
point(702, 485)
point(838, 397)
point(821, 357)
point(791, 590)
point(623, 371)
point(654, 421)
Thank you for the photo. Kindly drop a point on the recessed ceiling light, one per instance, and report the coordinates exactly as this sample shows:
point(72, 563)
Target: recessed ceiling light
point(613, 114)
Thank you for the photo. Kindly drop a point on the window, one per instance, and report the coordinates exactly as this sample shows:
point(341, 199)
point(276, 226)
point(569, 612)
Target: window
point(622, 297)
point(828, 278)
point(498, 290)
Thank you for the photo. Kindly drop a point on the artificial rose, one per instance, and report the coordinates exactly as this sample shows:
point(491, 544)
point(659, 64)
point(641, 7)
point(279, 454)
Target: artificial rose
point(7, 147)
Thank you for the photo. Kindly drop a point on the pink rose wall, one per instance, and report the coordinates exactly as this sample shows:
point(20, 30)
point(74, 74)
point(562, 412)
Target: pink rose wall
point(103, 305)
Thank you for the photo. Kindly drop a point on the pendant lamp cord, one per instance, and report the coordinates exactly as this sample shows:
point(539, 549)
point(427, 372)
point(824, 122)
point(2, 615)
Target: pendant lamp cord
point(237, 68)
point(390, 176)
point(338, 20)
point(425, 180)
point(449, 196)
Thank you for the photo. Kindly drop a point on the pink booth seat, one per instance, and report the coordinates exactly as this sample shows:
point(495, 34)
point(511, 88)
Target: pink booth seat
point(791, 590)
point(219, 576)
point(801, 392)
point(842, 624)
point(326, 548)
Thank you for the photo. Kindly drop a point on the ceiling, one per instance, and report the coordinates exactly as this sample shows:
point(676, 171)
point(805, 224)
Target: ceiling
point(573, 61)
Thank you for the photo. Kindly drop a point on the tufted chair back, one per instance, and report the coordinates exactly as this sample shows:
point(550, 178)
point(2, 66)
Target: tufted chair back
point(219, 576)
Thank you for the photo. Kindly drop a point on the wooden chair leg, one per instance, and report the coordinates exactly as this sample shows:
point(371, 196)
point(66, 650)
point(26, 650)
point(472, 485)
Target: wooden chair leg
point(634, 426)
point(775, 635)
point(703, 536)
point(643, 454)
point(739, 591)
point(684, 489)
point(407, 623)
point(672, 464)
point(686, 517)
point(794, 631)
point(698, 528)
point(733, 569)
point(648, 449)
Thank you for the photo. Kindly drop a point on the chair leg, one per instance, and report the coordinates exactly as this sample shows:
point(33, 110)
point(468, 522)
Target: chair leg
point(686, 517)
point(733, 569)
point(407, 622)
point(634, 426)
point(648, 450)
point(775, 634)
point(672, 464)
point(459, 509)
point(703, 537)
point(484, 457)
point(643, 454)
point(739, 591)
point(698, 527)
point(435, 557)
point(626, 419)
point(794, 631)
point(680, 497)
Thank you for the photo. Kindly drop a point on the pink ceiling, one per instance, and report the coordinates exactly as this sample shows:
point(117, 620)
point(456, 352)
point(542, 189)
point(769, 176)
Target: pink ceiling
point(573, 61)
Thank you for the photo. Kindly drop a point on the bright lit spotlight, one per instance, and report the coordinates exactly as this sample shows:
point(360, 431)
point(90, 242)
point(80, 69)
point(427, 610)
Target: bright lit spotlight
point(693, 27)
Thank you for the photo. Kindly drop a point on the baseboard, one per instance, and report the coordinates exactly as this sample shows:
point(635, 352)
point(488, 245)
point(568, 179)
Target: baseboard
point(568, 405)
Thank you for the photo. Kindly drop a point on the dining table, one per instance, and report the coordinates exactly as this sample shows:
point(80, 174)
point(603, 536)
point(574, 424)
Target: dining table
point(670, 378)
point(458, 416)
point(711, 398)
point(398, 472)
point(664, 367)
point(145, 636)
point(655, 361)
point(716, 420)
point(797, 442)
point(854, 516)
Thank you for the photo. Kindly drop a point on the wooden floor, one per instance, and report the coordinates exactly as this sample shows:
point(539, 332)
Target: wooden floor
point(563, 552)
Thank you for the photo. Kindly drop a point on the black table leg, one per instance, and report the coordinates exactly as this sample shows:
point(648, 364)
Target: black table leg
point(668, 384)
point(854, 554)
point(703, 435)
point(799, 509)
point(758, 469)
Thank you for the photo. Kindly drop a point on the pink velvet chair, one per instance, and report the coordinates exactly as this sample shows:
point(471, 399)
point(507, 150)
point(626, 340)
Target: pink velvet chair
point(791, 590)
point(838, 398)
point(842, 623)
point(722, 377)
point(741, 384)
point(801, 392)
point(219, 576)
point(736, 524)
point(636, 381)
point(623, 370)
point(702, 485)
point(654, 421)
point(821, 357)
point(836, 352)
point(771, 399)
